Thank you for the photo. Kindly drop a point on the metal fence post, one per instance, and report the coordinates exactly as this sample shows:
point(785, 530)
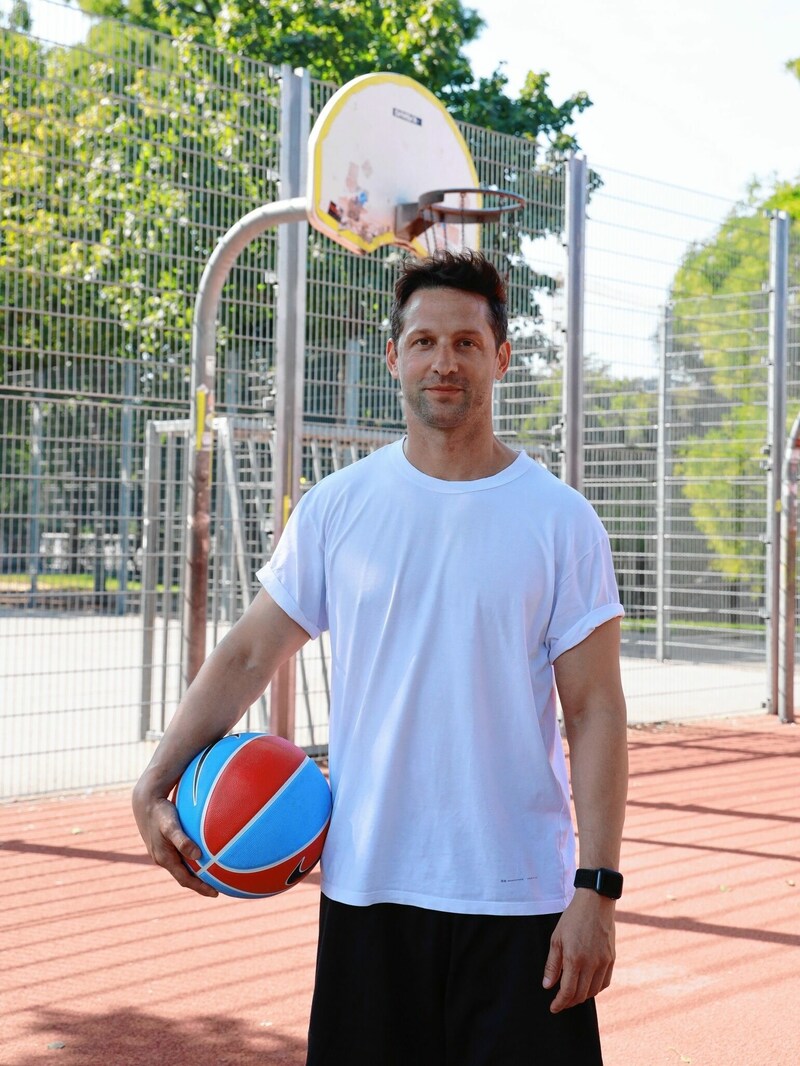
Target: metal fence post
point(572, 396)
point(149, 577)
point(290, 349)
point(661, 491)
point(227, 597)
point(125, 484)
point(352, 377)
point(35, 505)
point(788, 576)
point(776, 432)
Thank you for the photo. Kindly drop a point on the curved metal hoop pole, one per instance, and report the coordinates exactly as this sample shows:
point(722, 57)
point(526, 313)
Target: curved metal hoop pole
point(204, 365)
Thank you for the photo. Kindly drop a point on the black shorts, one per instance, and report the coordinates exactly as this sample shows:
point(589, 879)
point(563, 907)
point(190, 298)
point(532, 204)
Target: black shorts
point(402, 986)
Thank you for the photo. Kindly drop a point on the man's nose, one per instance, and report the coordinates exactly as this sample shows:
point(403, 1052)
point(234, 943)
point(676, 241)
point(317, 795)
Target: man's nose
point(445, 359)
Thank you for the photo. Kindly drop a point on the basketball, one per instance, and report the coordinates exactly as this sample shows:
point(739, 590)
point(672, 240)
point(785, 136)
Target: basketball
point(258, 808)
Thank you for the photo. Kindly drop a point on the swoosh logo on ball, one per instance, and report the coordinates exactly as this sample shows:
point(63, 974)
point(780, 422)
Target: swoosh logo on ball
point(299, 872)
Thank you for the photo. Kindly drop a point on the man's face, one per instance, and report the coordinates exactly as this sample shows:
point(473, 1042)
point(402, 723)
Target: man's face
point(446, 359)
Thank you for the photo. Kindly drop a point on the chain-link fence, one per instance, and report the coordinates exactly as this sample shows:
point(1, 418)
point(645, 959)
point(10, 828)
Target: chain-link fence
point(677, 435)
point(125, 157)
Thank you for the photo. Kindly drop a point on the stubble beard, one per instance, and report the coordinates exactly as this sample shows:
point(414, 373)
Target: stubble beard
point(437, 415)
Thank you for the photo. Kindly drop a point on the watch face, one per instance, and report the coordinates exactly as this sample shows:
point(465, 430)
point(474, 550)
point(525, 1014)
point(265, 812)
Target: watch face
point(609, 883)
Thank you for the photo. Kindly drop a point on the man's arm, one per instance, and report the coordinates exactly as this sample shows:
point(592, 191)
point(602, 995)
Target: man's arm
point(589, 687)
point(230, 680)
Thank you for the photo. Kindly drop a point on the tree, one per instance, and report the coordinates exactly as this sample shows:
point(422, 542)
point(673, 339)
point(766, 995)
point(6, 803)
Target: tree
point(19, 17)
point(718, 340)
point(107, 223)
point(121, 164)
point(340, 39)
point(532, 115)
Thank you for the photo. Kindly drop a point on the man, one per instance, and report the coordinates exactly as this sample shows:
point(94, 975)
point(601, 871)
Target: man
point(458, 580)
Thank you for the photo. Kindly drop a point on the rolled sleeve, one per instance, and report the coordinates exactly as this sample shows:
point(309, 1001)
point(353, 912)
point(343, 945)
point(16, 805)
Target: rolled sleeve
point(286, 601)
point(585, 598)
point(581, 630)
point(295, 575)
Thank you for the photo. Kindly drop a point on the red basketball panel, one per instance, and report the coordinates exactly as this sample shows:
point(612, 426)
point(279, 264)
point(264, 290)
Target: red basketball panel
point(275, 878)
point(255, 772)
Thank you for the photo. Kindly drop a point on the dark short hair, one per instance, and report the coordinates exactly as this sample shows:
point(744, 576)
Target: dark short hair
point(468, 271)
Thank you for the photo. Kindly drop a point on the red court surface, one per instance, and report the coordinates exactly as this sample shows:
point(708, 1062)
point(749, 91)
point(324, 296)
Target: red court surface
point(105, 961)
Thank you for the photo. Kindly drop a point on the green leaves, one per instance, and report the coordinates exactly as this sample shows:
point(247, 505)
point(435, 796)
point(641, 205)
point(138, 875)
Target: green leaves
point(337, 40)
point(121, 164)
point(719, 339)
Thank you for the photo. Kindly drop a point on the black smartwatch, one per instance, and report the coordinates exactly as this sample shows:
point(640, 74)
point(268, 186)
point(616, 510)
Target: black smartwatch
point(605, 882)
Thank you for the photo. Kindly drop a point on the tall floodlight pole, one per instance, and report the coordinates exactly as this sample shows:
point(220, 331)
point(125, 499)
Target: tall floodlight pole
point(572, 394)
point(776, 432)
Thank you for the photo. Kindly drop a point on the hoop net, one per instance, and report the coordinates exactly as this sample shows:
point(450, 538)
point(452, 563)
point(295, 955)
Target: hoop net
point(450, 219)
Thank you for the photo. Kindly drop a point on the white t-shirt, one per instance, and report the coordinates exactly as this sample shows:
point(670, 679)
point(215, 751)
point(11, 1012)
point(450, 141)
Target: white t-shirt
point(447, 603)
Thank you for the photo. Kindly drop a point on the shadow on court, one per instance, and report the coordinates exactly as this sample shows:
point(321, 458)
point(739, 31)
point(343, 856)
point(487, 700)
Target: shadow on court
point(106, 963)
point(137, 1038)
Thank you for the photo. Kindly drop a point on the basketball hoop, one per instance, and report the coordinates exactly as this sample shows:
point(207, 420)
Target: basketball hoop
point(378, 141)
point(439, 213)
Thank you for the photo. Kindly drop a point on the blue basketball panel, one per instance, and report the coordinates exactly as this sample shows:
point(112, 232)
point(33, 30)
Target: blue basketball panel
point(290, 821)
point(196, 783)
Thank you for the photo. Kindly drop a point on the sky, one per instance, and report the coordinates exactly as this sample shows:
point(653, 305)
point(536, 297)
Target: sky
point(693, 92)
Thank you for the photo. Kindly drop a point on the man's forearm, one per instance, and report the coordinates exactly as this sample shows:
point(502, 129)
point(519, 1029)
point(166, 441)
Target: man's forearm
point(582, 952)
point(211, 707)
point(229, 681)
point(595, 718)
point(597, 741)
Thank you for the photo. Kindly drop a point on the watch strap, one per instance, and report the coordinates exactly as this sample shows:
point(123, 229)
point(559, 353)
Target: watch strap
point(603, 881)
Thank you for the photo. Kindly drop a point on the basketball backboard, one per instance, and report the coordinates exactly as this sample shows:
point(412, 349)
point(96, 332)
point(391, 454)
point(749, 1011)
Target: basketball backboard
point(380, 142)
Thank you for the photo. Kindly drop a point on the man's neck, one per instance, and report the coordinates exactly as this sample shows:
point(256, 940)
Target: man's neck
point(451, 457)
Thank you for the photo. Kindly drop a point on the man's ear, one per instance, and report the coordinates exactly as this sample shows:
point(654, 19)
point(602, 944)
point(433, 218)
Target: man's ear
point(391, 359)
point(503, 360)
